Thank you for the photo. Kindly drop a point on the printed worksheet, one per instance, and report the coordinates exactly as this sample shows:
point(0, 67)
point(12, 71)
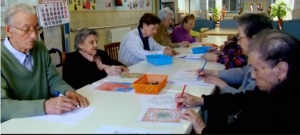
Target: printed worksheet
point(127, 130)
point(158, 101)
point(69, 118)
point(161, 116)
point(188, 77)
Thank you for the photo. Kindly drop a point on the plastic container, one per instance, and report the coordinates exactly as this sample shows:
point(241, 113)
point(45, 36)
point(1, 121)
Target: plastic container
point(143, 86)
point(208, 44)
point(159, 59)
point(202, 50)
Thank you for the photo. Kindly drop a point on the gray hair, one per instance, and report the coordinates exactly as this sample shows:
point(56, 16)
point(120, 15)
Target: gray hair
point(81, 36)
point(274, 46)
point(163, 14)
point(16, 8)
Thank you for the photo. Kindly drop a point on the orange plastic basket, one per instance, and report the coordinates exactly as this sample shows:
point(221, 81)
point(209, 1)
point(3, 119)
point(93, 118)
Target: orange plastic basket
point(209, 44)
point(143, 85)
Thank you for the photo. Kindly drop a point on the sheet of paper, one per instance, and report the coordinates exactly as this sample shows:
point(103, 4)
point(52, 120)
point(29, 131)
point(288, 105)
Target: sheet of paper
point(114, 86)
point(180, 56)
point(161, 116)
point(69, 118)
point(194, 56)
point(127, 130)
point(187, 77)
point(158, 101)
point(131, 75)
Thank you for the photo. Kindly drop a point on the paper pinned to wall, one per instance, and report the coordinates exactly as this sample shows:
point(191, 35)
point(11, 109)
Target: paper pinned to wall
point(126, 130)
point(69, 118)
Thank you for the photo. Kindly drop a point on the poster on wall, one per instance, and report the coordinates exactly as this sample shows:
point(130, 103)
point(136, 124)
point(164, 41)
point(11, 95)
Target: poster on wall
point(141, 4)
point(93, 4)
point(148, 3)
point(108, 4)
point(75, 5)
point(53, 13)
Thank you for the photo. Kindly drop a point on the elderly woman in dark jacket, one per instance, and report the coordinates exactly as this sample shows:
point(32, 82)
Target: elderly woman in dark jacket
point(89, 64)
point(273, 107)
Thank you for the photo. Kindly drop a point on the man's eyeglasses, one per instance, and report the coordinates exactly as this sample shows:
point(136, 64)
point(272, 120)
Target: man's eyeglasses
point(239, 38)
point(28, 31)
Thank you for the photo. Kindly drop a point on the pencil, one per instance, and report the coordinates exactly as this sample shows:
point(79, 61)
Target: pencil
point(202, 69)
point(181, 95)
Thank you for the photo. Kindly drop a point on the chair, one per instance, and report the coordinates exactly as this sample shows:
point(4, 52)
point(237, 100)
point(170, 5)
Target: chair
point(112, 49)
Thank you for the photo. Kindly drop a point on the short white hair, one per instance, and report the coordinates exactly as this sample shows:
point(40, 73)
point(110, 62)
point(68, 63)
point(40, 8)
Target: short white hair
point(163, 14)
point(16, 8)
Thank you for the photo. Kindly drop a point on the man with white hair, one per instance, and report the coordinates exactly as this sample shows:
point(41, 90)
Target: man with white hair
point(28, 77)
point(162, 35)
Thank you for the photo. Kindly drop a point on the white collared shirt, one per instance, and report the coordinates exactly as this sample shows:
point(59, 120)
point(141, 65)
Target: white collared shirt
point(17, 54)
point(132, 48)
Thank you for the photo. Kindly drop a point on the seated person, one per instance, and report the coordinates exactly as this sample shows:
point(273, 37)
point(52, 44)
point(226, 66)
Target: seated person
point(193, 33)
point(93, 64)
point(29, 81)
point(272, 108)
point(239, 76)
point(182, 32)
point(230, 54)
point(162, 35)
point(139, 42)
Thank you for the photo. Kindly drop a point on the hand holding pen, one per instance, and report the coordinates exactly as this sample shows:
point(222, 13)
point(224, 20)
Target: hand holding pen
point(60, 105)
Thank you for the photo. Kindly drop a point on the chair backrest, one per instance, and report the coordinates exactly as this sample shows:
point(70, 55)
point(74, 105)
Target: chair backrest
point(112, 50)
point(201, 23)
point(231, 23)
point(292, 27)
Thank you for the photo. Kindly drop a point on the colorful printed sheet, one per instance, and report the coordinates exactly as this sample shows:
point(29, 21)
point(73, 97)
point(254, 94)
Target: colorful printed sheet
point(115, 86)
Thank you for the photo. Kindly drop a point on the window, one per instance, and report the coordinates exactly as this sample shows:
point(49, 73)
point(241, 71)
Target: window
point(230, 5)
point(211, 4)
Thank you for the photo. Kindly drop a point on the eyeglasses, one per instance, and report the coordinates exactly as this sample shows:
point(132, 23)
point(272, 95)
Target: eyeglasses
point(239, 38)
point(28, 31)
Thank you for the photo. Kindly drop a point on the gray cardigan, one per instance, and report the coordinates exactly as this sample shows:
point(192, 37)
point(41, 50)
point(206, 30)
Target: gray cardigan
point(237, 76)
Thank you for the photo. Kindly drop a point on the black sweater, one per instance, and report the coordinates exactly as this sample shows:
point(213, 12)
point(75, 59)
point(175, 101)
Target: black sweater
point(78, 71)
point(258, 111)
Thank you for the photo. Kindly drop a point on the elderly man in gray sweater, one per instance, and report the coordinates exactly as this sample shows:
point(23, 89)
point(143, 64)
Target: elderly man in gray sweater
point(248, 26)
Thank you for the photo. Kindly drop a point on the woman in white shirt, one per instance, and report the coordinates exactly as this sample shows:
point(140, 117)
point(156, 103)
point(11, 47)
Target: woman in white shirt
point(139, 42)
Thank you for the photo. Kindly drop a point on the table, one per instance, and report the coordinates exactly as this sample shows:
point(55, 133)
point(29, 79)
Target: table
point(222, 31)
point(218, 40)
point(118, 109)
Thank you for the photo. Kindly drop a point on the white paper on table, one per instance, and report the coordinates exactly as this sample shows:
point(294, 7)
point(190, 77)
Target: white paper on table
point(194, 56)
point(196, 44)
point(69, 118)
point(143, 112)
point(127, 130)
point(187, 77)
point(158, 101)
point(180, 56)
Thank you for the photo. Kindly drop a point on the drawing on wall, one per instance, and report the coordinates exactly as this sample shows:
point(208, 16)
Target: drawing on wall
point(93, 5)
point(148, 3)
point(162, 100)
point(115, 86)
point(141, 4)
point(107, 4)
point(162, 115)
point(86, 4)
point(135, 4)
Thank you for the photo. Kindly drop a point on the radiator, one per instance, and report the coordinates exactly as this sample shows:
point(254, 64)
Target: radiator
point(116, 35)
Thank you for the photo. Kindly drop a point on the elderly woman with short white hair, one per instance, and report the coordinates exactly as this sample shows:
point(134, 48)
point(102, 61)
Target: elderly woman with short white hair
point(162, 35)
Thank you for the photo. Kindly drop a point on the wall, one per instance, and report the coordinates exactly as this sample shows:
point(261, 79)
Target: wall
point(181, 6)
point(296, 12)
point(195, 7)
point(105, 19)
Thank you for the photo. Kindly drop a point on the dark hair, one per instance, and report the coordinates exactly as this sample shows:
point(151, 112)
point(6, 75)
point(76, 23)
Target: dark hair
point(274, 46)
point(254, 23)
point(81, 36)
point(149, 18)
point(187, 18)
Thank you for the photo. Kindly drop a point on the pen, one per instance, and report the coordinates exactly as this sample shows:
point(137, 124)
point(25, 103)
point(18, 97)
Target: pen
point(181, 94)
point(59, 94)
point(202, 68)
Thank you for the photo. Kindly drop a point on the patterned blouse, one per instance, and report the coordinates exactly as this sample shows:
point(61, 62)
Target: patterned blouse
point(232, 56)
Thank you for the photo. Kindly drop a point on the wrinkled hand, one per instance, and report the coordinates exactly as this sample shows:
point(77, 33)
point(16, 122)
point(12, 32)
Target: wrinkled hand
point(216, 81)
point(115, 70)
point(210, 57)
point(198, 39)
point(206, 73)
point(188, 100)
point(196, 120)
point(83, 101)
point(59, 105)
point(168, 51)
point(184, 44)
